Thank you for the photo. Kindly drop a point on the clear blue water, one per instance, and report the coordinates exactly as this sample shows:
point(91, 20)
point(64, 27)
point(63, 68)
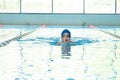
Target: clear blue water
point(95, 55)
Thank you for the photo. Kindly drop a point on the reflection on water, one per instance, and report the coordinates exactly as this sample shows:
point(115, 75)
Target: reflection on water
point(66, 49)
point(35, 57)
point(22, 74)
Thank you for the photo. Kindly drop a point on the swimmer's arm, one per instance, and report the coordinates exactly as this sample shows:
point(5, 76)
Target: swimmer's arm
point(59, 43)
point(73, 43)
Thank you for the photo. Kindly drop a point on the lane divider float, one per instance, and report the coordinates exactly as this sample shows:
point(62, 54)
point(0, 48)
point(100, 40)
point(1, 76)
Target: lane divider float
point(4, 43)
point(111, 34)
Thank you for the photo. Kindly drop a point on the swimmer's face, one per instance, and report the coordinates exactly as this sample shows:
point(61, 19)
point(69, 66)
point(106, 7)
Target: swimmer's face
point(65, 37)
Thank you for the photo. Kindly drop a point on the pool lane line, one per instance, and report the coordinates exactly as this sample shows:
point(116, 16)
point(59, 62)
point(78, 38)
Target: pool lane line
point(15, 38)
point(4, 43)
point(111, 34)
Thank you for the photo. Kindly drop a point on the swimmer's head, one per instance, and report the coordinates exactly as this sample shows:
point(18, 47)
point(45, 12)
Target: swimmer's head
point(66, 31)
point(65, 35)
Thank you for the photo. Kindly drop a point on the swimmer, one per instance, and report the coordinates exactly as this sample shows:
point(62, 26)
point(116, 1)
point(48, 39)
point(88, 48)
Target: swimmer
point(65, 37)
point(66, 42)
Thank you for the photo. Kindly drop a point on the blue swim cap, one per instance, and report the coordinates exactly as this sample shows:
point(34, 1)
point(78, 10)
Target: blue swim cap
point(66, 31)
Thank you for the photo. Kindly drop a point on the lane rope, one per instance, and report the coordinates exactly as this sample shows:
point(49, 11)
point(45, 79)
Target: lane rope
point(111, 34)
point(4, 43)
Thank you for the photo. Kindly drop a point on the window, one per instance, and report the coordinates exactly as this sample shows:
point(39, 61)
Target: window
point(36, 6)
point(60, 6)
point(67, 6)
point(118, 6)
point(9, 6)
point(99, 6)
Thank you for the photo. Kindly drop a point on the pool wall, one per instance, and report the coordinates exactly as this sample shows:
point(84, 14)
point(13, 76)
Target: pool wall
point(60, 19)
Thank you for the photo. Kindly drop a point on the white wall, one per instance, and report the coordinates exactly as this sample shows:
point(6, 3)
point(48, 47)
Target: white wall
point(59, 19)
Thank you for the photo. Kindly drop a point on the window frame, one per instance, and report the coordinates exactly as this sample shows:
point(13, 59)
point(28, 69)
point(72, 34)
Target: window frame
point(52, 11)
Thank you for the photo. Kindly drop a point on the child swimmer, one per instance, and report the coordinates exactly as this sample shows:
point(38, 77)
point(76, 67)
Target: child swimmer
point(65, 37)
point(66, 42)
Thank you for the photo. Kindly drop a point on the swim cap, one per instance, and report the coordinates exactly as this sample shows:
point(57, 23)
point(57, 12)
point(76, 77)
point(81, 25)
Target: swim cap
point(66, 31)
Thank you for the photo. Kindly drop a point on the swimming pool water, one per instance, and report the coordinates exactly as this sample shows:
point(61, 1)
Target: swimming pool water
point(36, 56)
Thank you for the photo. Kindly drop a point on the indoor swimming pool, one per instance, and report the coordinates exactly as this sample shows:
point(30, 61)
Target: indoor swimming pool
point(31, 53)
